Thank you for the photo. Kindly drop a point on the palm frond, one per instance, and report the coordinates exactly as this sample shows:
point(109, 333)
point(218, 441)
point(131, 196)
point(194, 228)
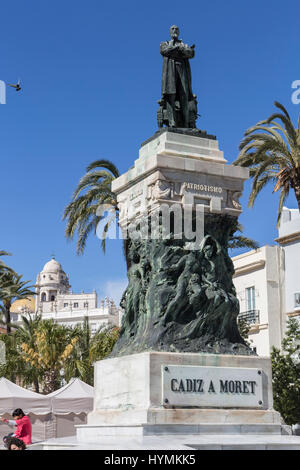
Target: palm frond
point(105, 164)
point(258, 186)
point(271, 151)
point(283, 196)
point(92, 191)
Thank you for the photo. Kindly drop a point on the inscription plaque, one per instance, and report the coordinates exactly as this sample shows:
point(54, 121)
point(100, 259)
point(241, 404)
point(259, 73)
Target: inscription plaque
point(219, 387)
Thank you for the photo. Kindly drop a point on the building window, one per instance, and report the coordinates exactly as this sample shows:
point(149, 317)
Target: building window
point(251, 315)
point(297, 300)
point(86, 304)
point(43, 298)
point(250, 298)
point(75, 305)
point(66, 305)
point(52, 298)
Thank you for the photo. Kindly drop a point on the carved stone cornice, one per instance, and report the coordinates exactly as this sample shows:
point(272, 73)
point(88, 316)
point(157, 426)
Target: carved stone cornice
point(295, 313)
point(248, 268)
point(292, 237)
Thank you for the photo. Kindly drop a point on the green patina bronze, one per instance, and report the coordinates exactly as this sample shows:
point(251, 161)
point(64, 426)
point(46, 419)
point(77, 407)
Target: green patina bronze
point(178, 299)
point(181, 300)
point(178, 104)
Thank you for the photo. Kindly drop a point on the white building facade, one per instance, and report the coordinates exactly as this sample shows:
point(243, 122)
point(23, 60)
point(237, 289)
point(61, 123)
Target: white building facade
point(258, 280)
point(55, 299)
point(267, 282)
point(289, 240)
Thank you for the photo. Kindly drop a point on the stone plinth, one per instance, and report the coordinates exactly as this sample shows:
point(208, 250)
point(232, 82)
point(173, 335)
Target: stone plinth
point(182, 145)
point(182, 169)
point(129, 399)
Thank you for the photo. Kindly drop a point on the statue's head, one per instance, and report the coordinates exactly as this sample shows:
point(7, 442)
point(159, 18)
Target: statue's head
point(209, 247)
point(195, 278)
point(209, 251)
point(174, 32)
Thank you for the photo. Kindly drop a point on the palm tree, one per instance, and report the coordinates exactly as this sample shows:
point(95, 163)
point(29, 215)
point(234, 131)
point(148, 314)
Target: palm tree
point(79, 364)
point(83, 213)
point(14, 367)
point(103, 342)
point(53, 345)
point(89, 349)
point(271, 150)
point(12, 288)
point(25, 333)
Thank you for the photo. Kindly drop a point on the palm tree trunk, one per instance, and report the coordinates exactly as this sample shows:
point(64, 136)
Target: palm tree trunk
point(36, 386)
point(297, 193)
point(50, 381)
point(7, 306)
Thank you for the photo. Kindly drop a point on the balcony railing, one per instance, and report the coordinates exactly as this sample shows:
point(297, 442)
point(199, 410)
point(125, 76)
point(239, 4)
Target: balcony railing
point(251, 316)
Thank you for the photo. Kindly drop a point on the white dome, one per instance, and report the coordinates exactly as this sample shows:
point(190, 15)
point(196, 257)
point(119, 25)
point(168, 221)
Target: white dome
point(52, 266)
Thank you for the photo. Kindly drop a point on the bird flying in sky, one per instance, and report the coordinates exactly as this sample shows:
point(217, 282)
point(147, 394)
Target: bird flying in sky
point(17, 86)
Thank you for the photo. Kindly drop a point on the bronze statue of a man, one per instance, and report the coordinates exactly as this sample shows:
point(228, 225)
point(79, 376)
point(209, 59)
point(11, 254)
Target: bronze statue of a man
point(177, 95)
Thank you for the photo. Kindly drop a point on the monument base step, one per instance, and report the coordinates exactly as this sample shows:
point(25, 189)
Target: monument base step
point(181, 416)
point(169, 443)
point(90, 433)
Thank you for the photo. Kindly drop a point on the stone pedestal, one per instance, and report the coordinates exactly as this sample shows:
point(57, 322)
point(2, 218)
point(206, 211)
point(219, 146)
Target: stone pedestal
point(179, 393)
point(177, 168)
point(129, 397)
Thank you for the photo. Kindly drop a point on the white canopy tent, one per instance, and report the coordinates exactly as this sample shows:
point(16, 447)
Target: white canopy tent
point(75, 397)
point(37, 406)
point(70, 406)
point(53, 415)
point(12, 396)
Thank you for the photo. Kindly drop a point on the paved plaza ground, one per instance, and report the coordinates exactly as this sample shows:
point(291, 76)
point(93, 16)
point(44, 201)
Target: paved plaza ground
point(179, 442)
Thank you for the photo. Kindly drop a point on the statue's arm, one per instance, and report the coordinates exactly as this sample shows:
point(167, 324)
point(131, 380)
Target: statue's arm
point(168, 50)
point(177, 267)
point(187, 52)
point(179, 49)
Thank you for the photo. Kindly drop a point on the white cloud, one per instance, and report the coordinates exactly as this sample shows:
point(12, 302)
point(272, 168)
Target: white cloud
point(114, 289)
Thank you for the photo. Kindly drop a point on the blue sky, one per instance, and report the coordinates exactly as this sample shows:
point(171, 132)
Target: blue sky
point(91, 74)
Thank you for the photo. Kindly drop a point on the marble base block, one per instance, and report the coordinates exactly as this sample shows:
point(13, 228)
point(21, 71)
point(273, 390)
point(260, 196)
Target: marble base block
point(129, 399)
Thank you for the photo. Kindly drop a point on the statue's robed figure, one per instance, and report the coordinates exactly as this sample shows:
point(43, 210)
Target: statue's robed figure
point(176, 78)
point(175, 62)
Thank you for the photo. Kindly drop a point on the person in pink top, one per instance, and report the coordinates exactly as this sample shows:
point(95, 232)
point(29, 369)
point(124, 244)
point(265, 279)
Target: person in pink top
point(23, 424)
